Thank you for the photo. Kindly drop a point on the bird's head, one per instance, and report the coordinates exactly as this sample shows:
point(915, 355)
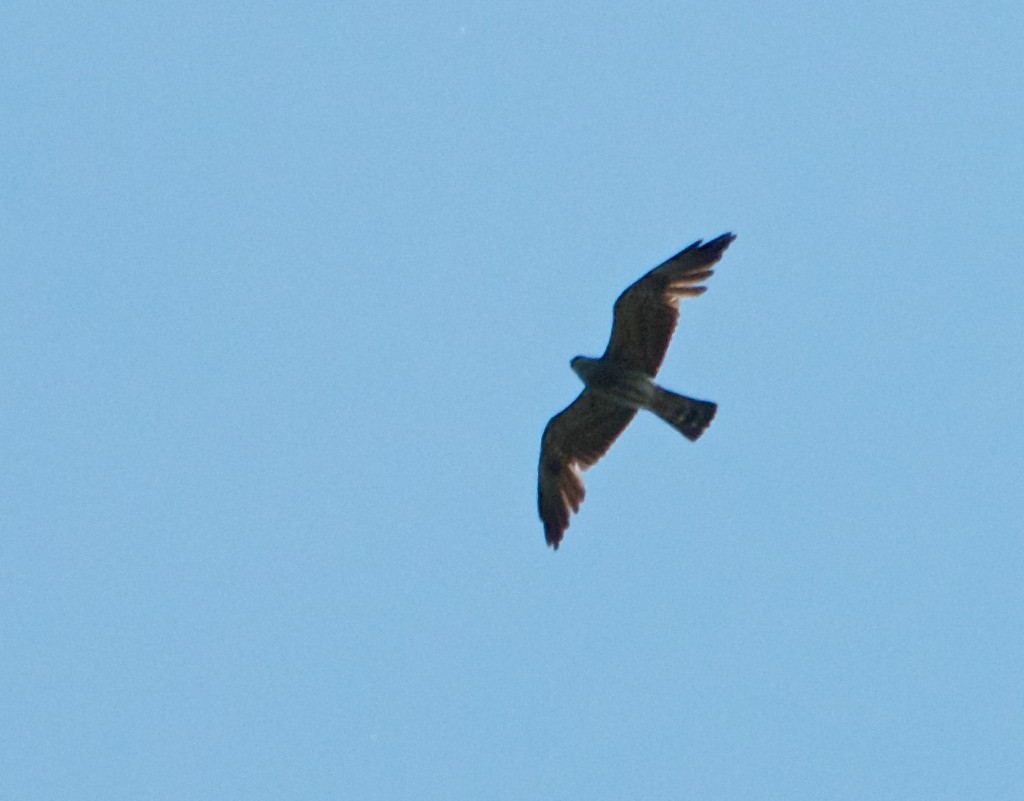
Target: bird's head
point(582, 366)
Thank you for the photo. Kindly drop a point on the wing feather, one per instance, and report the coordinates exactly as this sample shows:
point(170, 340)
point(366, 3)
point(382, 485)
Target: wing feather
point(647, 312)
point(574, 438)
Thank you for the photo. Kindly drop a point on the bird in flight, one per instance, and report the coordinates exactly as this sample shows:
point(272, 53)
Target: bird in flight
point(622, 381)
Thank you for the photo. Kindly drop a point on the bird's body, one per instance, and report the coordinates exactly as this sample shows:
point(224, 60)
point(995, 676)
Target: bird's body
point(633, 389)
point(616, 383)
point(621, 382)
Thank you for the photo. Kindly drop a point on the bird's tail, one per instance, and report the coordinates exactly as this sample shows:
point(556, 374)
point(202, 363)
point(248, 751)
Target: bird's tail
point(687, 416)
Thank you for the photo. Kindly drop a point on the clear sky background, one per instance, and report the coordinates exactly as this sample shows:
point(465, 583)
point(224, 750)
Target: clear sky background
point(288, 292)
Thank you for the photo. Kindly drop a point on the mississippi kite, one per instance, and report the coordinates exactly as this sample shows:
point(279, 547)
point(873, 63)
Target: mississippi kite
point(622, 381)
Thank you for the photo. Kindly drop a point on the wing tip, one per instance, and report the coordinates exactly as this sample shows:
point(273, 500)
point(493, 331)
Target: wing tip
point(720, 242)
point(713, 247)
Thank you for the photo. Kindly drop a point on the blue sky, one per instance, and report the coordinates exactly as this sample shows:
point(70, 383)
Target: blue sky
point(289, 292)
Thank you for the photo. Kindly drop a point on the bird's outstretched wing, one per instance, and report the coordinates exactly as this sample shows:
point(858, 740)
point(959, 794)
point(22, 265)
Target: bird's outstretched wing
point(646, 313)
point(574, 438)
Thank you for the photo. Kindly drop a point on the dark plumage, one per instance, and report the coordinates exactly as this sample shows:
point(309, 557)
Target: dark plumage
point(621, 382)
